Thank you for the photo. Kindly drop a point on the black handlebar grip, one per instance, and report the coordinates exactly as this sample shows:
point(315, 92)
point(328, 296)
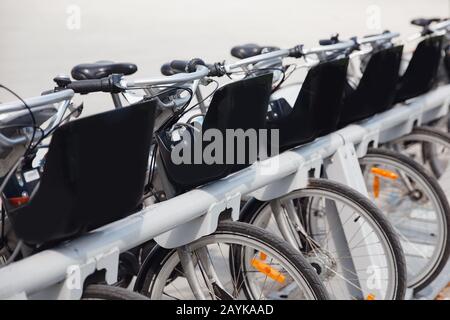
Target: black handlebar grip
point(86, 86)
point(326, 42)
point(193, 63)
point(333, 40)
point(186, 66)
point(179, 65)
point(96, 85)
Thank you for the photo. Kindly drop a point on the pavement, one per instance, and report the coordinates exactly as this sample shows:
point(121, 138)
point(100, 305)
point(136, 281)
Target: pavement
point(445, 294)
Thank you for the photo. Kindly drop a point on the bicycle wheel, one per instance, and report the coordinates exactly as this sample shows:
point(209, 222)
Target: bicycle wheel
point(264, 268)
point(105, 292)
point(416, 206)
point(429, 146)
point(437, 154)
point(342, 234)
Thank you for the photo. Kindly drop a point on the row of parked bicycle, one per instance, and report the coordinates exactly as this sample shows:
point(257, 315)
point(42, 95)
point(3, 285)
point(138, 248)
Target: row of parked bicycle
point(63, 178)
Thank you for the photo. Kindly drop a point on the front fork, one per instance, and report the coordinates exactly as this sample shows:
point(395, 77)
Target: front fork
point(189, 259)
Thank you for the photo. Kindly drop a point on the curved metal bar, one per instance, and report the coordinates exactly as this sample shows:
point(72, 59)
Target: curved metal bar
point(34, 102)
point(201, 72)
point(332, 47)
point(382, 37)
point(440, 26)
point(261, 57)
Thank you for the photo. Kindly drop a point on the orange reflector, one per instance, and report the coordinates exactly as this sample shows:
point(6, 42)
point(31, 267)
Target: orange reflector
point(267, 270)
point(370, 297)
point(18, 201)
point(263, 256)
point(376, 187)
point(384, 173)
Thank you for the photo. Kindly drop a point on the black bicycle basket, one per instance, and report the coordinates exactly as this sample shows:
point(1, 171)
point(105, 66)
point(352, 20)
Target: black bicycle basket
point(93, 174)
point(238, 105)
point(422, 69)
point(376, 90)
point(317, 108)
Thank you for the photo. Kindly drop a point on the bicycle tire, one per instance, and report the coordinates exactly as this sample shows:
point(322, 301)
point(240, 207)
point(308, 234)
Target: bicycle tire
point(154, 262)
point(428, 146)
point(253, 207)
point(434, 185)
point(105, 292)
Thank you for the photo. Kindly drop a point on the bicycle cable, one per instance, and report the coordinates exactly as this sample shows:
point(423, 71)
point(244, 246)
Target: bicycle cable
point(28, 149)
point(45, 135)
point(33, 119)
point(164, 126)
point(273, 69)
point(205, 98)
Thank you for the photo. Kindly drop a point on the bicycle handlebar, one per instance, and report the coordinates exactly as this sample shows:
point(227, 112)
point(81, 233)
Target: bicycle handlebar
point(36, 104)
point(431, 25)
point(385, 36)
point(333, 40)
point(327, 46)
point(180, 71)
point(445, 24)
point(295, 52)
point(200, 72)
point(331, 47)
point(183, 66)
point(186, 65)
point(264, 56)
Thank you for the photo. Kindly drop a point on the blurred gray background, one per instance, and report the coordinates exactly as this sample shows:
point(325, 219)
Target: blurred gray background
point(40, 39)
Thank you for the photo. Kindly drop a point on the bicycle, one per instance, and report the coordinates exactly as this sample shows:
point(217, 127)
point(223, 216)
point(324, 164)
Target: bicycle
point(432, 138)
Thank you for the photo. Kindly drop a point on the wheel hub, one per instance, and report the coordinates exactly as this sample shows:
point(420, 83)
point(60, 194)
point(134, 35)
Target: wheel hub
point(324, 264)
point(416, 195)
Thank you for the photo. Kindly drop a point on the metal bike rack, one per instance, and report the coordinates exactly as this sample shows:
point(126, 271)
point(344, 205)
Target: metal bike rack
point(58, 272)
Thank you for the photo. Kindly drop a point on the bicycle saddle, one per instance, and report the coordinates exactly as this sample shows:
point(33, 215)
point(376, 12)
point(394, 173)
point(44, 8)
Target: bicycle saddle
point(423, 22)
point(167, 70)
point(101, 69)
point(179, 66)
point(250, 50)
